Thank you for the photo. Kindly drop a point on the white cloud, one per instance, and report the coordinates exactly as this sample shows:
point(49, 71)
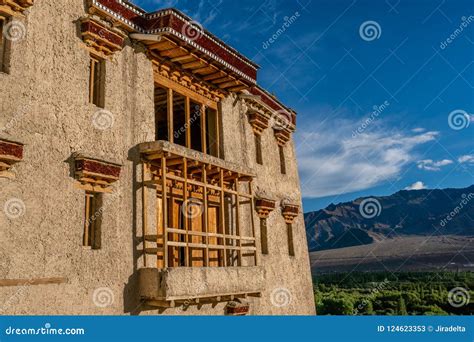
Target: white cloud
point(468, 158)
point(418, 130)
point(430, 165)
point(416, 186)
point(332, 161)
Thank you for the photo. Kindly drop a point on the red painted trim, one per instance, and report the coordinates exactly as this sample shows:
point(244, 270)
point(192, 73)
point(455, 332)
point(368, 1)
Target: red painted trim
point(94, 166)
point(103, 32)
point(8, 148)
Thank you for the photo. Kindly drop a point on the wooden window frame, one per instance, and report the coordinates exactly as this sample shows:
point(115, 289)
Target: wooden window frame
point(281, 152)
point(205, 104)
point(264, 235)
point(97, 72)
point(291, 243)
point(258, 149)
point(92, 220)
point(5, 46)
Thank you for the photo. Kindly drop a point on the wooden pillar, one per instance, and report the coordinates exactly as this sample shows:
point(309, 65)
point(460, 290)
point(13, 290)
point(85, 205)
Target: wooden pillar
point(204, 215)
point(170, 115)
point(203, 129)
point(222, 214)
point(237, 222)
point(185, 202)
point(251, 218)
point(165, 212)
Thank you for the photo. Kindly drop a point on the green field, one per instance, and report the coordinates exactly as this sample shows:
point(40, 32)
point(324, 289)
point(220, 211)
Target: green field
point(384, 293)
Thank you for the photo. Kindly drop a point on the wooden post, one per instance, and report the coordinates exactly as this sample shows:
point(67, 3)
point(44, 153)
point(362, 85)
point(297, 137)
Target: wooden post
point(218, 113)
point(170, 115)
point(252, 210)
point(237, 214)
point(203, 129)
point(185, 202)
point(222, 214)
point(204, 215)
point(144, 211)
point(165, 212)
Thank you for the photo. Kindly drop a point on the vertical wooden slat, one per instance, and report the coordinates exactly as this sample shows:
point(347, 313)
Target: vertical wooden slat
point(187, 108)
point(165, 212)
point(218, 142)
point(222, 214)
point(144, 211)
point(291, 246)
point(185, 202)
point(204, 215)
point(86, 221)
point(92, 80)
point(237, 222)
point(170, 115)
point(252, 210)
point(203, 129)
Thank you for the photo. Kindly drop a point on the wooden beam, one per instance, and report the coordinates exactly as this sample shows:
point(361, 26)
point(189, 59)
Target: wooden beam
point(228, 84)
point(213, 76)
point(35, 281)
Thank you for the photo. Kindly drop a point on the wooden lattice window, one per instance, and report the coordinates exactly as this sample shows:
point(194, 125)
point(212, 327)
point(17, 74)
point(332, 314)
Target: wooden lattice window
point(97, 81)
point(92, 220)
point(187, 119)
point(4, 46)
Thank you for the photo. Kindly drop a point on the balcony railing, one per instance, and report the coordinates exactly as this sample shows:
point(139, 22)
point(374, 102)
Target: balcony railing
point(197, 209)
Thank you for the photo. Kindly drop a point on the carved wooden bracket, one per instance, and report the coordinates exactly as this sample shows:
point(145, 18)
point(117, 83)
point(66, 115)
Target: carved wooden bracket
point(99, 38)
point(282, 136)
point(289, 212)
point(259, 121)
point(264, 207)
point(10, 153)
point(10, 8)
point(95, 175)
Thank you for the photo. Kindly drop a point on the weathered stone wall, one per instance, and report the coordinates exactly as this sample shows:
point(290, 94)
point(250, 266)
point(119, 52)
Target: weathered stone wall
point(44, 104)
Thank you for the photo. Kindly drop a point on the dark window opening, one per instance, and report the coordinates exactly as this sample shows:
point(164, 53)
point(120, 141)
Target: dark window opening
point(291, 247)
point(282, 160)
point(161, 113)
point(179, 119)
point(212, 142)
point(196, 127)
point(5, 47)
point(97, 81)
point(264, 235)
point(92, 220)
point(258, 149)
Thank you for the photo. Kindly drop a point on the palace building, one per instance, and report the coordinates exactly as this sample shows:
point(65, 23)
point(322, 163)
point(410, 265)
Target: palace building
point(142, 169)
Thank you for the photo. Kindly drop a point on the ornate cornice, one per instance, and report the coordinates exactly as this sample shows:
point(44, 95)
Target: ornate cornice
point(258, 120)
point(188, 81)
point(95, 175)
point(282, 136)
point(100, 38)
point(264, 207)
point(290, 212)
point(14, 7)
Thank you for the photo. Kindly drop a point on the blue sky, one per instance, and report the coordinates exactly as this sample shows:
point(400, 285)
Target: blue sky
point(373, 83)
